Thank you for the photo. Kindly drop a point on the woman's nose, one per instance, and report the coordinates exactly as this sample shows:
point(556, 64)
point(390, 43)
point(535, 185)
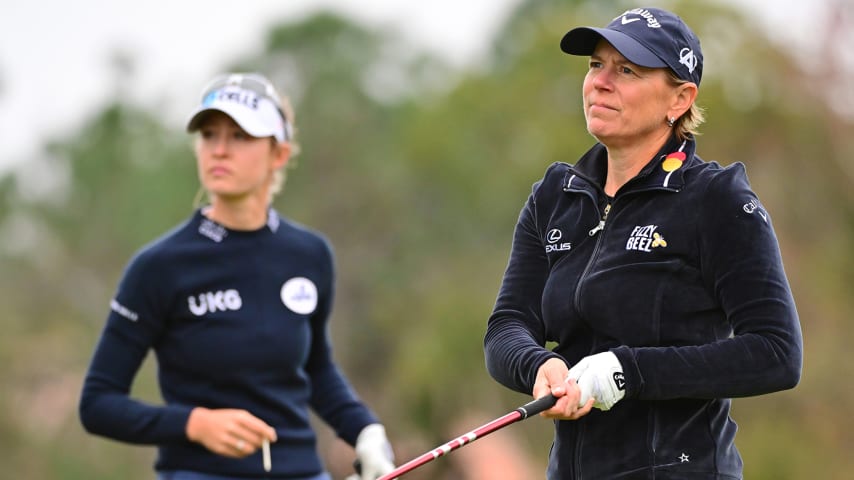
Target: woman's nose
point(219, 145)
point(602, 78)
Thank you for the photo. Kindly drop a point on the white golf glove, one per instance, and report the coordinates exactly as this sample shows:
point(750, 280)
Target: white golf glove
point(373, 453)
point(599, 376)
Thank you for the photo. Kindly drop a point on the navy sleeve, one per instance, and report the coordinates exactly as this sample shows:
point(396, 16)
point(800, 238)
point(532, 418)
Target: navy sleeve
point(741, 264)
point(332, 397)
point(133, 324)
point(515, 333)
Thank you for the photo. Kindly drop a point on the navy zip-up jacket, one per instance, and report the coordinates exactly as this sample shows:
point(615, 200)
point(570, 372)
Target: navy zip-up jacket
point(237, 319)
point(680, 276)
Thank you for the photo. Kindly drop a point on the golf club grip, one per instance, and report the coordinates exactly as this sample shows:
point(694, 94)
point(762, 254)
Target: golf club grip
point(536, 406)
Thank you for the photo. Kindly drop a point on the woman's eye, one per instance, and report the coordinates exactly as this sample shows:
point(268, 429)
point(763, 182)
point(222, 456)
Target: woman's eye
point(626, 70)
point(595, 64)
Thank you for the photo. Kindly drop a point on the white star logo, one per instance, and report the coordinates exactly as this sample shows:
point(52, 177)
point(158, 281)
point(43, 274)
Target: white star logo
point(683, 458)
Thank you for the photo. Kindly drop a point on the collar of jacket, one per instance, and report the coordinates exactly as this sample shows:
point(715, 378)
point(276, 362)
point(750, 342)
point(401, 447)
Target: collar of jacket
point(593, 167)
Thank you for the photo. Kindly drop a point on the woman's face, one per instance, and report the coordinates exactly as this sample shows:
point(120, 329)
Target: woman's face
point(625, 104)
point(231, 163)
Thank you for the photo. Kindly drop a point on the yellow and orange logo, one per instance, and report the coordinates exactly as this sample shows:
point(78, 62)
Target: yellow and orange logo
point(673, 161)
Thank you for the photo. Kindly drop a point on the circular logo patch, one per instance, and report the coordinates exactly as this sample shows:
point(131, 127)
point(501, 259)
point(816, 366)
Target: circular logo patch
point(673, 161)
point(299, 294)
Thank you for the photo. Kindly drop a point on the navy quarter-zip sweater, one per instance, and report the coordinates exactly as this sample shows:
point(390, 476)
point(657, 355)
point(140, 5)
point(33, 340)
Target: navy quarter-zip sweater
point(680, 276)
point(236, 319)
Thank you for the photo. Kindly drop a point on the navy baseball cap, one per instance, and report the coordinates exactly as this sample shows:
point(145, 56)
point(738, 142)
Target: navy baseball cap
point(649, 37)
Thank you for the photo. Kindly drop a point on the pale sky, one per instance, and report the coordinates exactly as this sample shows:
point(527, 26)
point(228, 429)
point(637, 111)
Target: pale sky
point(54, 54)
point(55, 72)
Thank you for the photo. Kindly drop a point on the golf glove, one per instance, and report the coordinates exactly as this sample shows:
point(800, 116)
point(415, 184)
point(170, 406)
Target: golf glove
point(599, 376)
point(373, 453)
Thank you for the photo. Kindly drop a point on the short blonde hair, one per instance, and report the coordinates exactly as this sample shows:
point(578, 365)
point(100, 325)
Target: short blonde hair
point(688, 124)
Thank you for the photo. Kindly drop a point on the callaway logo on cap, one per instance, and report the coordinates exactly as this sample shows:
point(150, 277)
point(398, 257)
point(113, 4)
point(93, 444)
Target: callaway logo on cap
point(649, 37)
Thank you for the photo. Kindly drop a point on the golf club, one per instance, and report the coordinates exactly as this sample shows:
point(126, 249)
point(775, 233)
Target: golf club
point(531, 408)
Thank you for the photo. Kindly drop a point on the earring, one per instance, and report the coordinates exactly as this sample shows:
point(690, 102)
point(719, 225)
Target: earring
point(671, 121)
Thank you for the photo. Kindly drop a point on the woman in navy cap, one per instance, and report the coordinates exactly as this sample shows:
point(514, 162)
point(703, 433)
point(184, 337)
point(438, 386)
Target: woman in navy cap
point(235, 304)
point(656, 274)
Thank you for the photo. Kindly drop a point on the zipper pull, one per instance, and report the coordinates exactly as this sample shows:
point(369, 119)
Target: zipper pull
point(601, 226)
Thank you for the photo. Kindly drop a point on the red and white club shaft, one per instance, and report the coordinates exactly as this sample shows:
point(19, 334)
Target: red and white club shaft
point(531, 408)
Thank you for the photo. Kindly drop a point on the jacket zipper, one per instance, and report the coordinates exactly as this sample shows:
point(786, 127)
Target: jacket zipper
point(593, 231)
point(576, 464)
point(601, 225)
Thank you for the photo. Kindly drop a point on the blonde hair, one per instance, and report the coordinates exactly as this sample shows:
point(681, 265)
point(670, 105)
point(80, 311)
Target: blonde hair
point(277, 184)
point(688, 124)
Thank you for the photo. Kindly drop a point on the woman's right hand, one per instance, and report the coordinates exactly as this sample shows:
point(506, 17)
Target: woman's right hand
point(228, 432)
point(552, 378)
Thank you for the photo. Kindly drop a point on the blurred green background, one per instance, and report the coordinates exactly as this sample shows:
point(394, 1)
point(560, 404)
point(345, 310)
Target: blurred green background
point(416, 171)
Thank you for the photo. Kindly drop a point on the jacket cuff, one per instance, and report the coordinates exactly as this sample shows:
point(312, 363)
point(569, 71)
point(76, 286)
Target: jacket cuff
point(634, 379)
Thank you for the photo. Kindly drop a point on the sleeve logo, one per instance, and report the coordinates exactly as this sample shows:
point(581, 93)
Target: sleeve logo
point(754, 206)
point(123, 310)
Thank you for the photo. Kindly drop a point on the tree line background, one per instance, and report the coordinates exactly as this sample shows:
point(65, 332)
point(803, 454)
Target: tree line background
point(416, 171)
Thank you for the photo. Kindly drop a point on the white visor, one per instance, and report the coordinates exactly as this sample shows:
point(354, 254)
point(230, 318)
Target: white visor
point(257, 114)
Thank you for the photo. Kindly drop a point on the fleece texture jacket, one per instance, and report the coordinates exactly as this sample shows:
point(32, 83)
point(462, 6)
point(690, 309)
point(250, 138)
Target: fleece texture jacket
point(680, 276)
point(236, 319)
